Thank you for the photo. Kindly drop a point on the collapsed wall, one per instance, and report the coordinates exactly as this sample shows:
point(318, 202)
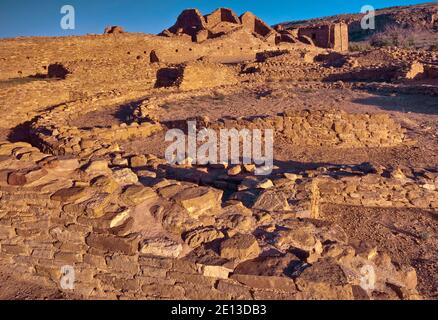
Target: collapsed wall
point(86, 71)
point(400, 190)
point(328, 128)
point(190, 21)
point(255, 25)
point(94, 217)
point(197, 75)
point(221, 15)
point(221, 21)
point(393, 71)
point(130, 51)
point(191, 24)
point(334, 36)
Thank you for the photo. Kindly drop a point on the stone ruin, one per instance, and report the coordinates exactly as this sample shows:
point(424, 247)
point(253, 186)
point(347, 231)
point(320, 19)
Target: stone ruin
point(95, 213)
point(192, 24)
point(221, 15)
point(78, 200)
point(134, 226)
point(114, 30)
point(333, 36)
point(196, 75)
point(327, 35)
point(257, 26)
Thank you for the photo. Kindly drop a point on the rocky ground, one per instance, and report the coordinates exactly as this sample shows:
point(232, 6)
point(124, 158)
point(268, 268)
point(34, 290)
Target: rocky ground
point(349, 211)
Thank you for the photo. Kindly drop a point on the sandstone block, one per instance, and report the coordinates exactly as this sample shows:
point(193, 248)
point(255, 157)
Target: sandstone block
point(69, 195)
point(105, 184)
point(97, 166)
point(199, 200)
point(69, 258)
point(151, 272)
point(135, 195)
point(197, 237)
point(138, 161)
point(218, 272)
point(127, 245)
point(94, 206)
point(21, 178)
point(125, 177)
point(240, 247)
point(271, 200)
point(161, 247)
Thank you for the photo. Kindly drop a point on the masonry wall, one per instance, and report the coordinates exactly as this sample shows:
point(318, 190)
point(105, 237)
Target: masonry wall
point(33, 55)
point(221, 15)
point(89, 59)
point(333, 36)
point(339, 37)
point(254, 24)
point(336, 129)
point(190, 21)
point(319, 35)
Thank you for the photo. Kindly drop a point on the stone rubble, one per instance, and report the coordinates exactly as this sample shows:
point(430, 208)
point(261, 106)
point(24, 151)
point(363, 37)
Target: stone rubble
point(93, 230)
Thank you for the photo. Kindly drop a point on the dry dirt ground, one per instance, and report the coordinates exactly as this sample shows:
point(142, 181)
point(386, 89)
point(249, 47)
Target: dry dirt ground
point(408, 236)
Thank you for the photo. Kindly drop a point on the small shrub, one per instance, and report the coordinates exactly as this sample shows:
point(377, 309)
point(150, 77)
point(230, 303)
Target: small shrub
point(396, 36)
point(379, 42)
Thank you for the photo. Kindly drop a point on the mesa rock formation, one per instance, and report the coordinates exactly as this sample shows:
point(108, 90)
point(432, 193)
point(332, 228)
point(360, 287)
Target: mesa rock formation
point(354, 186)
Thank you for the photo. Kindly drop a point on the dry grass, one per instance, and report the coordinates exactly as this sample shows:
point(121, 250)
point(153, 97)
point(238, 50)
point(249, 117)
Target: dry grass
point(396, 36)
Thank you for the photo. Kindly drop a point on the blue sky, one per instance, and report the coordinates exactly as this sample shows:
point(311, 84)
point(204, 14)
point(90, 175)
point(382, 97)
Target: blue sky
point(42, 17)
